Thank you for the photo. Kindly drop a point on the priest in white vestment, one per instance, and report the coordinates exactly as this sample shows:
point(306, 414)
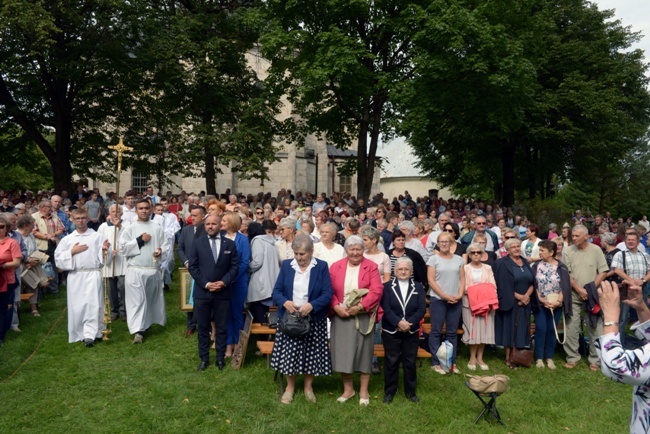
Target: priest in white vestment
point(115, 269)
point(82, 254)
point(145, 247)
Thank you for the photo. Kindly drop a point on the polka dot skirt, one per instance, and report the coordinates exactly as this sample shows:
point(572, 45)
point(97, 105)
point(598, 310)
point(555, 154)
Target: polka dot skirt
point(307, 355)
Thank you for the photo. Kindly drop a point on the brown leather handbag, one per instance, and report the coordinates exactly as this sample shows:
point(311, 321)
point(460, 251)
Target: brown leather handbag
point(521, 356)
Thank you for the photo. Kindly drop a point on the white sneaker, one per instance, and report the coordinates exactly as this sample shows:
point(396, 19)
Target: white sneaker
point(15, 329)
point(138, 339)
point(540, 364)
point(550, 363)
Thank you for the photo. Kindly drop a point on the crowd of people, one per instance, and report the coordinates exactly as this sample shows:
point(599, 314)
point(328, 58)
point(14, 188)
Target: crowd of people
point(369, 270)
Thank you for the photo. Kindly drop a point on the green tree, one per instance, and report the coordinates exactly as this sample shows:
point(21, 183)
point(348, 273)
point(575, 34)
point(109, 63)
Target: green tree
point(23, 166)
point(62, 69)
point(340, 64)
point(204, 100)
point(523, 93)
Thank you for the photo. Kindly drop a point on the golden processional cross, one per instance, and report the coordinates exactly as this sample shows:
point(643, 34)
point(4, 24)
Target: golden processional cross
point(120, 149)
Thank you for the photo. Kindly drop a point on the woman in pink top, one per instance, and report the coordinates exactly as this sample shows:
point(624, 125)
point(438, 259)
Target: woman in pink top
point(478, 330)
point(10, 259)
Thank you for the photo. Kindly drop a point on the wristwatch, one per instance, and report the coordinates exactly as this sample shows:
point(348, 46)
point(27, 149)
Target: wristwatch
point(610, 323)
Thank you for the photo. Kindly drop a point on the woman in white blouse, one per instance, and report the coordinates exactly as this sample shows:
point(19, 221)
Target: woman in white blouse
point(627, 366)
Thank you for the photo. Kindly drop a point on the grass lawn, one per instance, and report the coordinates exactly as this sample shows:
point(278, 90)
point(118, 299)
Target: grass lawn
point(51, 386)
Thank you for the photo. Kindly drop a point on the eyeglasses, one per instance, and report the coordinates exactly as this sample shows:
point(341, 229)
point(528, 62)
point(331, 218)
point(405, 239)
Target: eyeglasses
point(509, 238)
point(259, 213)
point(475, 253)
point(480, 223)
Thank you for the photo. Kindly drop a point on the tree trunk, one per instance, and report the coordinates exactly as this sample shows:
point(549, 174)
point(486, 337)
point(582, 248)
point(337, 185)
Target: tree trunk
point(362, 158)
point(497, 190)
point(531, 172)
point(210, 172)
point(602, 194)
point(62, 172)
point(60, 161)
point(367, 155)
point(508, 173)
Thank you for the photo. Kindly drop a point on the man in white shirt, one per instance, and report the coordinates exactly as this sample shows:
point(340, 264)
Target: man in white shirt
point(128, 209)
point(443, 219)
point(154, 199)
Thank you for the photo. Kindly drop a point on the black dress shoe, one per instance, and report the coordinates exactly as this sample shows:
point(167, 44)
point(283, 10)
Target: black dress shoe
point(388, 399)
point(220, 364)
point(413, 398)
point(203, 366)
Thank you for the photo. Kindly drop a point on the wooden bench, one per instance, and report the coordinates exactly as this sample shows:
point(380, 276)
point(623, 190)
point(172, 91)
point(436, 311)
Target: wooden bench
point(25, 297)
point(266, 348)
point(426, 328)
point(379, 352)
point(260, 329)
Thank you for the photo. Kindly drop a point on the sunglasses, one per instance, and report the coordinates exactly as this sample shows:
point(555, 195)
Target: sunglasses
point(3, 227)
point(475, 253)
point(509, 238)
point(480, 224)
point(260, 213)
point(451, 231)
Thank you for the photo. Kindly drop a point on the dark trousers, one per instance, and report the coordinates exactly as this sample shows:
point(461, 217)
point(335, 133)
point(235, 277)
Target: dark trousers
point(443, 314)
point(258, 310)
point(191, 321)
point(4, 313)
point(117, 295)
point(7, 309)
point(400, 347)
point(206, 310)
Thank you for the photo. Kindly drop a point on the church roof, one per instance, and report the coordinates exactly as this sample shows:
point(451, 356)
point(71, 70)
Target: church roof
point(334, 152)
point(398, 160)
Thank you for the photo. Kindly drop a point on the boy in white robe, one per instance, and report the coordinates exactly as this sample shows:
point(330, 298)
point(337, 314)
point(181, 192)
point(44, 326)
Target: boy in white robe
point(82, 254)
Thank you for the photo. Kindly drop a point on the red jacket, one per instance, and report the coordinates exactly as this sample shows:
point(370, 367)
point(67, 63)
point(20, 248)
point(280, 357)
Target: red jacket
point(368, 279)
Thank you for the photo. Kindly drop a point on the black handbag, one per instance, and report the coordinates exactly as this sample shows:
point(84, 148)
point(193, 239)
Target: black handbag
point(272, 319)
point(294, 325)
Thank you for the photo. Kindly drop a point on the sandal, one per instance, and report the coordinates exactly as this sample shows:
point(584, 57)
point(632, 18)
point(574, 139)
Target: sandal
point(510, 365)
point(287, 398)
point(35, 313)
point(309, 396)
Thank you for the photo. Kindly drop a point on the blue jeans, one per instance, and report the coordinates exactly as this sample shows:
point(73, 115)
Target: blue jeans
point(545, 339)
point(443, 313)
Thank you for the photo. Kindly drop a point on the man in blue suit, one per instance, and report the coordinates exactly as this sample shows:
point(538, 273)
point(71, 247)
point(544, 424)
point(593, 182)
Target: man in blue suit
point(213, 263)
point(188, 234)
